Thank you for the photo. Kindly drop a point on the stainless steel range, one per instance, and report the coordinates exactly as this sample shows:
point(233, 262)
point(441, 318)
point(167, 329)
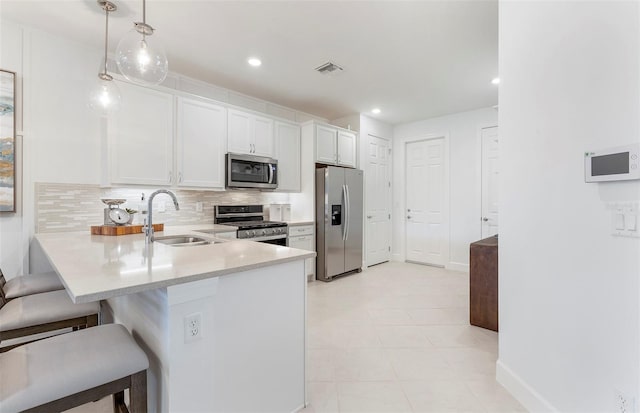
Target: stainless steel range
point(251, 224)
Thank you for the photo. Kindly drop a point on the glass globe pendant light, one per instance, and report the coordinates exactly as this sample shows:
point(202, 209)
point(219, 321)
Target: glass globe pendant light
point(105, 96)
point(140, 58)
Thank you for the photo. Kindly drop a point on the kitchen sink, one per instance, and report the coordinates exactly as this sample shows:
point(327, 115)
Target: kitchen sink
point(182, 240)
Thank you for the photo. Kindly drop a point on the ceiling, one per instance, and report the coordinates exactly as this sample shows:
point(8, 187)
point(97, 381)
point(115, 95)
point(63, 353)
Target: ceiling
point(412, 59)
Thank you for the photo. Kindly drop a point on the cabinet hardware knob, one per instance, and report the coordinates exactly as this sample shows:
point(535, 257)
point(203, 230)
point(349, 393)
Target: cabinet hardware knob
point(485, 219)
point(369, 216)
point(408, 216)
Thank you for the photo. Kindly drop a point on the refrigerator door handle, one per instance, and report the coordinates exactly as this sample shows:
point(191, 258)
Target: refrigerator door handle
point(344, 212)
point(347, 214)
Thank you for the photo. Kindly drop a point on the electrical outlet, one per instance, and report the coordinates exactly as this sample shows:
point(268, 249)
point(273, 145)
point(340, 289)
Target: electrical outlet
point(192, 327)
point(162, 206)
point(624, 403)
point(199, 206)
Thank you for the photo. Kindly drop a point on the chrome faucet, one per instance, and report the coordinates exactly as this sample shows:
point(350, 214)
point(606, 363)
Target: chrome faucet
point(148, 228)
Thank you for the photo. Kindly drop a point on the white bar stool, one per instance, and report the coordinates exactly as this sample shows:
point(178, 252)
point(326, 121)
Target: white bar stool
point(73, 369)
point(40, 313)
point(30, 284)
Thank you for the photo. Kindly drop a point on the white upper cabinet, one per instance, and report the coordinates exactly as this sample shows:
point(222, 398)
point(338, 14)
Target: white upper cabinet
point(263, 143)
point(326, 145)
point(346, 149)
point(239, 135)
point(288, 156)
point(200, 143)
point(335, 146)
point(141, 137)
point(250, 134)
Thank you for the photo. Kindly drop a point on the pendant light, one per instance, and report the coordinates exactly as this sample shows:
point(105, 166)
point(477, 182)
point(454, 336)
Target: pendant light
point(140, 58)
point(105, 96)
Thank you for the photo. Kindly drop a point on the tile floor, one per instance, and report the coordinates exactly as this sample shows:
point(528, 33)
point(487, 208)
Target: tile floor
point(395, 338)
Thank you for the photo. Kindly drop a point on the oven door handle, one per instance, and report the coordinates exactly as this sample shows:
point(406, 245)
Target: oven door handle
point(265, 238)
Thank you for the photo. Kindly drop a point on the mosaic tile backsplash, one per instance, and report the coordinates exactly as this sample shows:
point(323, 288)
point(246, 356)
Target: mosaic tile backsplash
point(75, 207)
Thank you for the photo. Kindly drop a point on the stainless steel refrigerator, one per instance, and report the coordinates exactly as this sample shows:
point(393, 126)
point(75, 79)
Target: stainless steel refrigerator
point(339, 210)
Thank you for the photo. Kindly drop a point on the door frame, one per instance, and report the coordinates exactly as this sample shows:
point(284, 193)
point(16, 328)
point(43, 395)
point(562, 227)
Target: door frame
point(447, 202)
point(389, 202)
point(481, 126)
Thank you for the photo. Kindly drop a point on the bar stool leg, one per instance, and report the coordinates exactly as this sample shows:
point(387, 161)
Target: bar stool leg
point(138, 393)
point(118, 403)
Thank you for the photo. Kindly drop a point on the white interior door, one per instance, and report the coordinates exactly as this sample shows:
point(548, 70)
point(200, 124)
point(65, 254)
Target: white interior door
point(378, 205)
point(425, 202)
point(490, 178)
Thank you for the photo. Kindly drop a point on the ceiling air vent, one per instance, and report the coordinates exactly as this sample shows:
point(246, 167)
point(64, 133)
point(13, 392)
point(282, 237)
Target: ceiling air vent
point(329, 68)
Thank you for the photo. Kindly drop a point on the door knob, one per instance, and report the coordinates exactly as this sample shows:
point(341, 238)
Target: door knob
point(485, 219)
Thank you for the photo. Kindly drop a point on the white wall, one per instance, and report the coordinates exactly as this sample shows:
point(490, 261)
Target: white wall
point(461, 130)
point(568, 289)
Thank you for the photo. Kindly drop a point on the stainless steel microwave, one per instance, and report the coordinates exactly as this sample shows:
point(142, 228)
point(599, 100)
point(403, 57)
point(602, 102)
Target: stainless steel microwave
point(250, 171)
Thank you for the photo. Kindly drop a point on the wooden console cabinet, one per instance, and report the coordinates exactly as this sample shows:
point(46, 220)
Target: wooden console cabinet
point(483, 283)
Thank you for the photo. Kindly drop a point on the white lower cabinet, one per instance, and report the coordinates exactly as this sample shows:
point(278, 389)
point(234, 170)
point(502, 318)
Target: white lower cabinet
point(303, 237)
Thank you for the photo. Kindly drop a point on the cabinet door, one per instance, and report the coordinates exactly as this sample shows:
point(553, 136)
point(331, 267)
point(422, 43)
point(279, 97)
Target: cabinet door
point(263, 142)
point(201, 134)
point(240, 133)
point(288, 156)
point(346, 149)
point(326, 145)
point(303, 243)
point(141, 137)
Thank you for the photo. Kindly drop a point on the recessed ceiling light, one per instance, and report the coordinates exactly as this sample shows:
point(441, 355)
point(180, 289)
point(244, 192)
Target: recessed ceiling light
point(254, 61)
point(495, 80)
point(375, 110)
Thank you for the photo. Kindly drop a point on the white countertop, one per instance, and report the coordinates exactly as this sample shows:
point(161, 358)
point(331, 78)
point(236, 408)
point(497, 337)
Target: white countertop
point(96, 267)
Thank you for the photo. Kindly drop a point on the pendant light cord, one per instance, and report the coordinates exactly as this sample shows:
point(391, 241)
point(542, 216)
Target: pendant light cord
point(144, 11)
point(106, 37)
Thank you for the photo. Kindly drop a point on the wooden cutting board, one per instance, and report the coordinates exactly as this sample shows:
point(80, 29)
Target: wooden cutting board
point(121, 229)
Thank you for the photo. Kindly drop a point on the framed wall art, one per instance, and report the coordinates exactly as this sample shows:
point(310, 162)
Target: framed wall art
point(7, 141)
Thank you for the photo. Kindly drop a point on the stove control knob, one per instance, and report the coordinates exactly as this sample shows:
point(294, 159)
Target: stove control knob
point(264, 232)
point(250, 233)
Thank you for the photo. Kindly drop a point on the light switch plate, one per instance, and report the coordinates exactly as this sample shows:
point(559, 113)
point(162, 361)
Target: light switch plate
point(624, 219)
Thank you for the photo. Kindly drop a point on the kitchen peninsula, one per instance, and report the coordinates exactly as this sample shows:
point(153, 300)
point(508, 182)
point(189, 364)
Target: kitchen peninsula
point(223, 323)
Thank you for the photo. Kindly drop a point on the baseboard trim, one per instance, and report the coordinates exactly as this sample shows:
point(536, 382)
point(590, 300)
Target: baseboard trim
point(456, 266)
point(397, 257)
point(521, 391)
